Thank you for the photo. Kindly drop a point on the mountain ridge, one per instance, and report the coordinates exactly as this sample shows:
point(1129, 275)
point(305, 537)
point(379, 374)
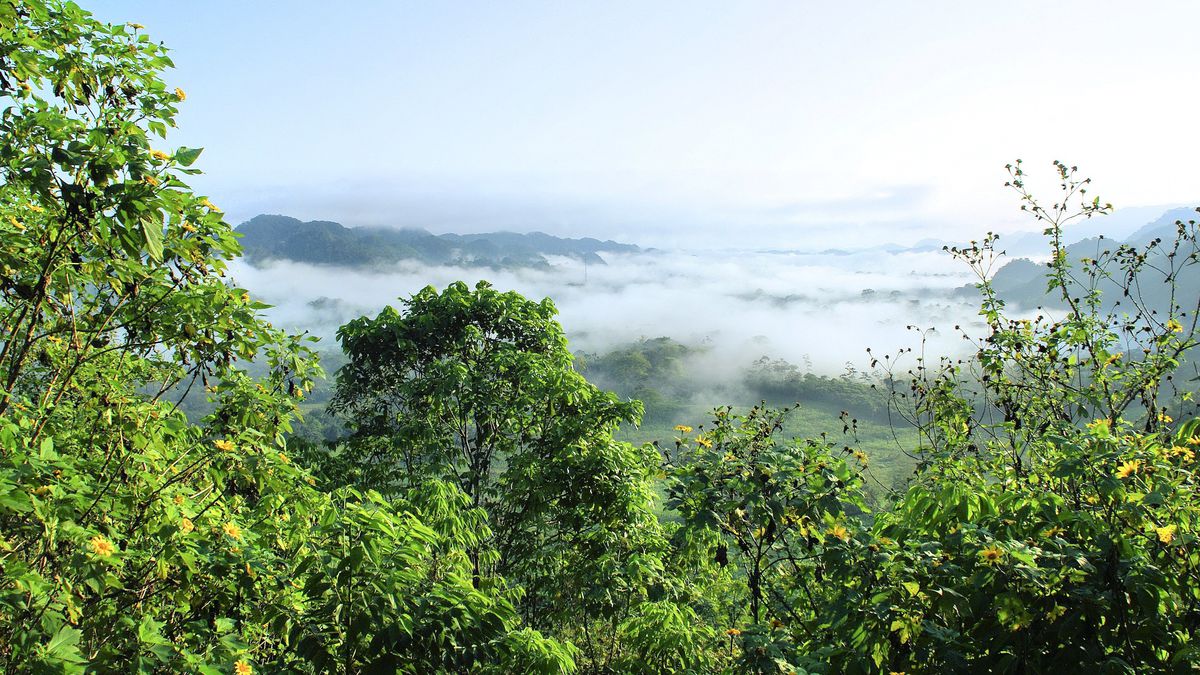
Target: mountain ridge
point(267, 237)
point(1023, 281)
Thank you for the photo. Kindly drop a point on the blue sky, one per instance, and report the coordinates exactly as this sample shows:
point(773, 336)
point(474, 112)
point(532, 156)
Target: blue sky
point(785, 123)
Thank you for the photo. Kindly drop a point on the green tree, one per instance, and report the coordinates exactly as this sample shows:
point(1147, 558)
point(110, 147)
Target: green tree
point(1052, 523)
point(132, 539)
point(476, 387)
point(772, 510)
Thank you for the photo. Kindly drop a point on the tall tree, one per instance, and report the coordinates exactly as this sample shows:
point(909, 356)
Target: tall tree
point(132, 538)
point(476, 387)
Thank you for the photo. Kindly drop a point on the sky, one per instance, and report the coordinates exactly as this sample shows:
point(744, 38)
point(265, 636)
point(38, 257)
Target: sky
point(676, 123)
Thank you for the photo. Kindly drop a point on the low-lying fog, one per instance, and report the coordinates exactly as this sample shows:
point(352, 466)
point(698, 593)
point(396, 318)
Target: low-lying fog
point(743, 304)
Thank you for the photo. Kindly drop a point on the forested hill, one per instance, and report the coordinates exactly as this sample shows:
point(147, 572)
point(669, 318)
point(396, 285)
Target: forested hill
point(1024, 282)
point(274, 237)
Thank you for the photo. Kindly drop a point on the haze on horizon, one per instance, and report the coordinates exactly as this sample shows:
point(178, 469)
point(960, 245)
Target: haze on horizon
point(673, 123)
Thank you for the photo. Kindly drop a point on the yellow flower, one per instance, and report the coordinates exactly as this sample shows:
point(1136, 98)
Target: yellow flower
point(180, 95)
point(186, 525)
point(245, 297)
point(242, 668)
point(1052, 532)
point(839, 532)
point(1181, 451)
point(704, 442)
point(733, 632)
point(284, 458)
point(223, 445)
point(683, 428)
point(178, 499)
point(991, 554)
point(1128, 468)
point(1099, 425)
point(209, 205)
point(160, 155)
point(16, 223)
point(187, 227)
point(1174, 326)
point(1166, 533)
point(135, 26)
point(35, 208)
point(101, 546)
point(232, 530)
point(860, 456)
point(151, 181)
point(1165, 418)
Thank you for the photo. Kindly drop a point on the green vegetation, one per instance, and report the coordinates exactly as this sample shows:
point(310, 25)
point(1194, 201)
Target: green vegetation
point(131, 538)
point(479, 512)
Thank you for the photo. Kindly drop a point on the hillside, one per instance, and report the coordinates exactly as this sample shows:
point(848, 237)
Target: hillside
point(1022, 281)
point(322, 242)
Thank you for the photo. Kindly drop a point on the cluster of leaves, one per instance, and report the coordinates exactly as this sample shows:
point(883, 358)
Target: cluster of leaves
point(130, 537)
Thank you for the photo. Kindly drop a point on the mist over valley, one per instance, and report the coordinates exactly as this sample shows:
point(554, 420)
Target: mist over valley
point(738, 304)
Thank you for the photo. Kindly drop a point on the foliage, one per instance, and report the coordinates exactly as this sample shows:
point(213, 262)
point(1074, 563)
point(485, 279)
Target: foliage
point(1058, 499)
point(132, 538)
point(475, 387)
point(651, 371)
point(782, 382)
point(1051, 523)
point(480, 497)
point(773, 510)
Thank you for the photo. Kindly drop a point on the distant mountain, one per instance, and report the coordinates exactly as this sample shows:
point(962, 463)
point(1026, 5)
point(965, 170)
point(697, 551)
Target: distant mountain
point(322, 242)
point(1164, 228)
point(1023, 281)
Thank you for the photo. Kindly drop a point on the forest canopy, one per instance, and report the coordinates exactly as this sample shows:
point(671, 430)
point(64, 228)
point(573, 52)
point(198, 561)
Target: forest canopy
point(477, 512)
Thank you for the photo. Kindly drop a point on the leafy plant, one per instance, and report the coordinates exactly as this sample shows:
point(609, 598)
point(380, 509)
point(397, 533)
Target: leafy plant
point(130, 537)
point(475, 387)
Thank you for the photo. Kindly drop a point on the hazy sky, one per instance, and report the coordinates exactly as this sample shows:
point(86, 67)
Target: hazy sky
point(667, 122)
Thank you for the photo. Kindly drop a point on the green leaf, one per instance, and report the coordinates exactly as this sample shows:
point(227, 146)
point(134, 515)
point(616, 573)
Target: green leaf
point(153, 233)
point(186, 156)
point(64, 646)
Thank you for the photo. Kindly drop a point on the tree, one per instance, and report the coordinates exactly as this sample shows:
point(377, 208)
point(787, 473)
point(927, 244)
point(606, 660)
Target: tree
point(773, 511)
point(1051, 523)
point(476, 387)
point(130, 537)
